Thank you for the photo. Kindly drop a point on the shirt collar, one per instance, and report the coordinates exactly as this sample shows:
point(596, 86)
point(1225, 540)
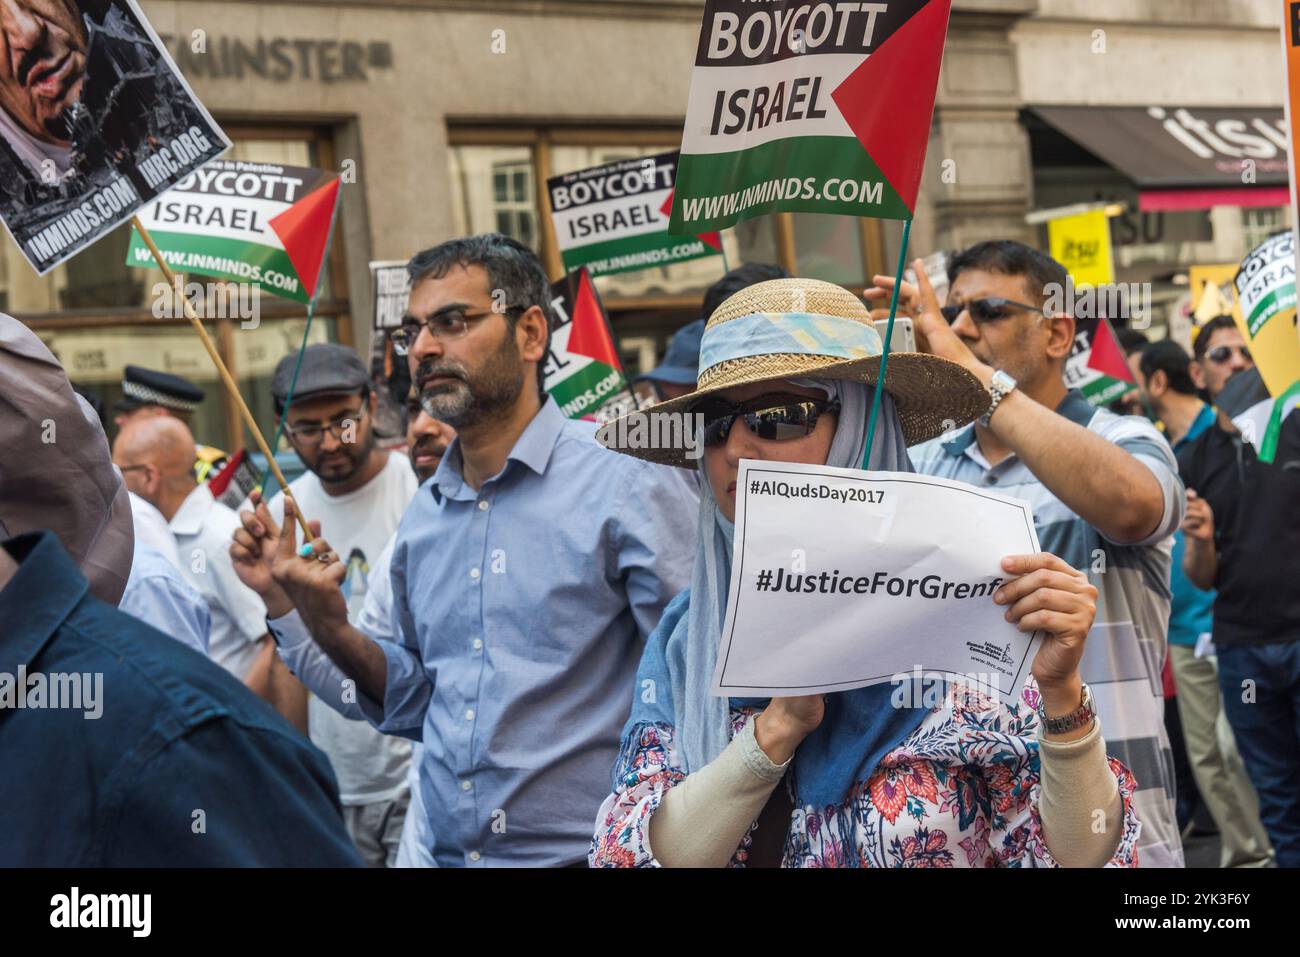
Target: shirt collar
point(38, 599)
point(1074, 407)
point(532, 449)
point(1204, 419)
point(189, 518)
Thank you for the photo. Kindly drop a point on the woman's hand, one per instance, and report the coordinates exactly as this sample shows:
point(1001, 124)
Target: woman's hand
point(1050, 596)
point(783, 725)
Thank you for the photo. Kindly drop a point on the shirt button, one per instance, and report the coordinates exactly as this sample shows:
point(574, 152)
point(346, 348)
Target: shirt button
point(473, 573)
point(474, 855)
point(482, 505)
point(465, 785)
point(469, 714)
point(478, 644)
point(991, 480)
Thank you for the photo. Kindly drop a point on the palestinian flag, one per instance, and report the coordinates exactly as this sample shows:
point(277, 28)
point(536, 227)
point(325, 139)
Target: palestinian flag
point(245, 222)
point(582, 370)
point(806, 106)
point(1098, 367)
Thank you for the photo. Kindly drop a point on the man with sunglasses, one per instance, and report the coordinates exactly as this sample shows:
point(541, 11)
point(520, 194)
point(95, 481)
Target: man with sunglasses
point(358, 492)
point(1104, 488)
point(526, 576)
point(1241, 528)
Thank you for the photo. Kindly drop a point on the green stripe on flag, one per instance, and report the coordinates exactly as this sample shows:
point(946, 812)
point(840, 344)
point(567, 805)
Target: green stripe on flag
point(1276, 301)
point(232, 260)
point(635, 252)
point(587, 389)
point(718, 190)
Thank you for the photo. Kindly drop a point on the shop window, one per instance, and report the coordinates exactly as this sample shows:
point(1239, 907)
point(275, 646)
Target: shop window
point(1258, 223)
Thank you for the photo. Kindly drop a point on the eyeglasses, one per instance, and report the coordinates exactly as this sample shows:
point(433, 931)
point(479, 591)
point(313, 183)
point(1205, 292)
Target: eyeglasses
point(450, 324)
point(773, 418)
point(1221, 354)
point(312, 435)
point(987, 310)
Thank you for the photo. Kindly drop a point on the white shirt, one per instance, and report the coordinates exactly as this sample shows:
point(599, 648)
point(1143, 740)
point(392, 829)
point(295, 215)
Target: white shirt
point(151, 529)
point(370, 766)
point(204, 529)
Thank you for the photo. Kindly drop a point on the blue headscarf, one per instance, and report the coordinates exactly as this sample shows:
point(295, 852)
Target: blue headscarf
point(859, 726)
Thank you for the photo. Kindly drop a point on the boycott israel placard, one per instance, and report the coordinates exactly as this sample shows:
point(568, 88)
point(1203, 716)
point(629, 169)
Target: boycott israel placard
point(614, 218)
point(245, 222)
point(1096, 365)
point(582, 369)
point(1265, 286)
point(843, 579)
point(798, 105)
point(94, 122)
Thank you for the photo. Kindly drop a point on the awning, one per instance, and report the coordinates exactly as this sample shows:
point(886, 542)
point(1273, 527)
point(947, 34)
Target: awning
point(1185, 157)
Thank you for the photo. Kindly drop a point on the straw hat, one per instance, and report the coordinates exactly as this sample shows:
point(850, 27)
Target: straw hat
point(792, 328)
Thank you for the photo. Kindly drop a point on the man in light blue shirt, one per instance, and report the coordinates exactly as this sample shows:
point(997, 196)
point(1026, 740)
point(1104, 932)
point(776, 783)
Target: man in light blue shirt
point(527, 574)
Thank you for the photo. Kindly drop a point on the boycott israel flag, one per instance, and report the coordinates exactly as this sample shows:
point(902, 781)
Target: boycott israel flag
point(614, 218)
point(797, 105)
point(582, 370)
point(245, 222)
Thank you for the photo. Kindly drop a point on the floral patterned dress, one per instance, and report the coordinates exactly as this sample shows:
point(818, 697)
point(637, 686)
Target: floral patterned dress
point(960, 791)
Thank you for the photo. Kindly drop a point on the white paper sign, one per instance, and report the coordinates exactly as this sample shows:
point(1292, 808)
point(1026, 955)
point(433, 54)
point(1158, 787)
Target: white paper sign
point(843, 579)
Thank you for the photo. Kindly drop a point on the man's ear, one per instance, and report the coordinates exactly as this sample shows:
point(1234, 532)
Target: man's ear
point(1157, 383)
point(1197, 372)
point(1060, 337)
point(530, 334)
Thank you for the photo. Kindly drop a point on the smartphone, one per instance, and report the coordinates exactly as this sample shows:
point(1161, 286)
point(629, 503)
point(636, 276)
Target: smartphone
point(904, 336)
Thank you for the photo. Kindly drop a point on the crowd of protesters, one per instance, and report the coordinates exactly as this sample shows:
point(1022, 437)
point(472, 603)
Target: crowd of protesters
point(496, 646)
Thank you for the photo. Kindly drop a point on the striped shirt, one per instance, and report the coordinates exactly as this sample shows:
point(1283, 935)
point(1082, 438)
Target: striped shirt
point(1125, 650)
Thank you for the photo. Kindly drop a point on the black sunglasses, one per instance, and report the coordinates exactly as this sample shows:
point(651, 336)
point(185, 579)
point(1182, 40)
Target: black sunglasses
point(987, 310)
point(1224, 353)
point(773, 418)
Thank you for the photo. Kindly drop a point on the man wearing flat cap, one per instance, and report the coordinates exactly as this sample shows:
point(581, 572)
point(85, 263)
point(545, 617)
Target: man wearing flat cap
point(150, 392)
point(358, 492)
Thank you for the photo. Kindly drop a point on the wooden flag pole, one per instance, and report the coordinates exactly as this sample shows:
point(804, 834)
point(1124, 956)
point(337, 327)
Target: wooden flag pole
point(226, 378)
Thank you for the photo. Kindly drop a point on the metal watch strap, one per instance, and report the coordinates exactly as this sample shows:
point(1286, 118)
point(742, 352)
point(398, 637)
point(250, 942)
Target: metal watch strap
point(1081, 716)
point(1000, 387)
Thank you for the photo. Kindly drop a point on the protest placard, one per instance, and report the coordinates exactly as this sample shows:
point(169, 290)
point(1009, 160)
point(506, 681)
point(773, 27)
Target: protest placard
point(1097, 366)
point(582, 370)
point(614, 218)
point(96, 123)
point(245, 222)
point(391, 287)
point(843, 579)
point(1265, 286)
point(797, 105)
point(1081, 243)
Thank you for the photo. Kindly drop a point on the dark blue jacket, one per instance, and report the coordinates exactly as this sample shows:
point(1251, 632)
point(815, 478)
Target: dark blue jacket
point(184, 765)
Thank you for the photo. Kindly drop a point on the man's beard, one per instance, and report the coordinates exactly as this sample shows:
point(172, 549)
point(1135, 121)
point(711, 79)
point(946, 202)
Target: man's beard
point(467, 402)
point(355, 462)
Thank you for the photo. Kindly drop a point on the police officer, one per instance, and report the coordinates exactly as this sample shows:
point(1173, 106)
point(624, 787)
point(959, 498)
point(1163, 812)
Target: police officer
point(149, 392)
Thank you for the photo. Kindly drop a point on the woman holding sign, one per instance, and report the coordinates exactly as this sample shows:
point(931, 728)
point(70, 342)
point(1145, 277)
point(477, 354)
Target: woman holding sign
point(849, 779)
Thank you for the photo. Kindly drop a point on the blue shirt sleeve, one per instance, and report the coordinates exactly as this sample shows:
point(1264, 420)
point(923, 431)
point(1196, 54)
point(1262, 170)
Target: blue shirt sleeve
point(408, 688)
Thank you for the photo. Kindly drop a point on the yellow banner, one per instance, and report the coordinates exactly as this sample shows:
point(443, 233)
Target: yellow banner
point(1082, 245)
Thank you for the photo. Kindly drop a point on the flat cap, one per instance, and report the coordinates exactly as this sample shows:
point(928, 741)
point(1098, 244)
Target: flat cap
point(141, 386)
point(327, 369)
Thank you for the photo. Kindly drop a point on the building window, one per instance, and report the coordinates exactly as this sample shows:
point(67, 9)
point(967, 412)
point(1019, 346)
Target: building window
point(1258, 223)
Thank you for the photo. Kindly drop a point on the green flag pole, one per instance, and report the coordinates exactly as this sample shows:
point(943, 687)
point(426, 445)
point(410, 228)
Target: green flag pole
point(889, 335)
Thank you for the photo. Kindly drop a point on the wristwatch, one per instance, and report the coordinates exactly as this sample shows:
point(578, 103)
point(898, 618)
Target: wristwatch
point(1000, 387)
point(1084, 714)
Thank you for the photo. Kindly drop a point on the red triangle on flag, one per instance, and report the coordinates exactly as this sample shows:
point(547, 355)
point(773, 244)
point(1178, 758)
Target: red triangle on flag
point(304, 228)
point(1107, 357)
point(888, 101)
point(589, 333)
point(712, 240)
